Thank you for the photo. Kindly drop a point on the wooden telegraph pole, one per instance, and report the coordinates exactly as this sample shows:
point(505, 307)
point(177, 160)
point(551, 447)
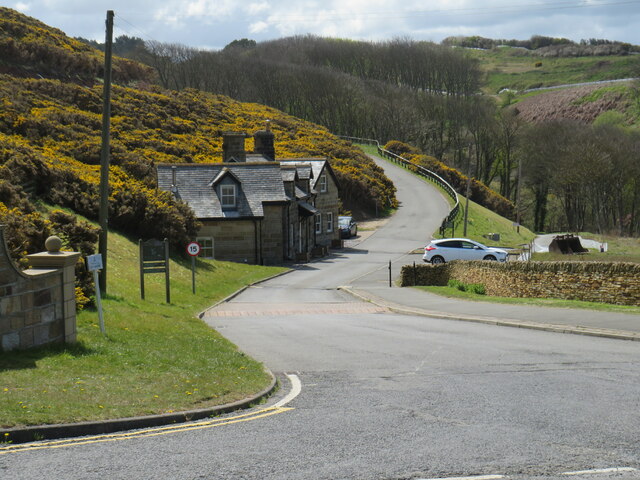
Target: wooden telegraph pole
point(103, 216)
point(466, 205)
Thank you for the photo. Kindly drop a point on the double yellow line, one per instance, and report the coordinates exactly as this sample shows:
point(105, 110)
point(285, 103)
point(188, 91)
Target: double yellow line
point(151, 432)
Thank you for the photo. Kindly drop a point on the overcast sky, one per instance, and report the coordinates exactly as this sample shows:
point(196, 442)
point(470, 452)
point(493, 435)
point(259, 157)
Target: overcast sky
point(214, 23)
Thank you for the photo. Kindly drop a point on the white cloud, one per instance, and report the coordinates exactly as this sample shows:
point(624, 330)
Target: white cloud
point(218, 22)
point(257, 8)
point(258, 27)
point(22, 7)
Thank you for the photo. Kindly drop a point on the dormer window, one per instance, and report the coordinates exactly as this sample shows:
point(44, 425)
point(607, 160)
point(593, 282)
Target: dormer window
point(228, 196)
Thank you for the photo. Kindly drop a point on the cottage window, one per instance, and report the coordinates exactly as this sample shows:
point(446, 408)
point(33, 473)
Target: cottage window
point(318, 223)
point(228, 196)
point(329, 222)
point(206, 246)
point(323, 183)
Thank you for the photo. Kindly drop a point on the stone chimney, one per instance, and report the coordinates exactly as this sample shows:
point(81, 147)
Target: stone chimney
point(264, 142)
point(233, 147)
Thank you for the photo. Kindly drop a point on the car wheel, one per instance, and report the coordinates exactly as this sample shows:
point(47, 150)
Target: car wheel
point(491, 258)
point(437, 260)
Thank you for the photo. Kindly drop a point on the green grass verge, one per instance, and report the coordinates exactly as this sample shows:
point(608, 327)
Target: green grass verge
point(155, 358)
point(482, 221)
point(542, 302)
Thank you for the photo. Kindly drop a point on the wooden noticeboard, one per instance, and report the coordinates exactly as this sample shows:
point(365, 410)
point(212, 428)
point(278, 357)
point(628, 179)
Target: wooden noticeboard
point(154, 258)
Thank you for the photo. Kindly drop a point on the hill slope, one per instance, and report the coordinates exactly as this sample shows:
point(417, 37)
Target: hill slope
point(50, 138)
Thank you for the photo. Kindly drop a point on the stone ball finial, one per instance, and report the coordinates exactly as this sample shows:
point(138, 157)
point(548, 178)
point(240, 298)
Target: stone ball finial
point(53, 244)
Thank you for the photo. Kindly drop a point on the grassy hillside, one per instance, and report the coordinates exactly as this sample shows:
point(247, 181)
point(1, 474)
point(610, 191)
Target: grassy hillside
point(519, 69)
point(155, 357)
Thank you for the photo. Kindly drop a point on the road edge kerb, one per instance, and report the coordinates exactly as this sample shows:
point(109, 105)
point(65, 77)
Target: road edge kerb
point(546, 327)
point(80, 429)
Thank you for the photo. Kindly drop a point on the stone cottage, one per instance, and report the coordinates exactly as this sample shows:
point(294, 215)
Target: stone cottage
point(255, 209)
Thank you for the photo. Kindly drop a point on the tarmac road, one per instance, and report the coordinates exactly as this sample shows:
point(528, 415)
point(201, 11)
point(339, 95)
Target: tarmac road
point(384, 395)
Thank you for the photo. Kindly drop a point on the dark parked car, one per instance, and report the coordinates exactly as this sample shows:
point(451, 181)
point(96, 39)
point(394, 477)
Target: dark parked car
point(347, 227)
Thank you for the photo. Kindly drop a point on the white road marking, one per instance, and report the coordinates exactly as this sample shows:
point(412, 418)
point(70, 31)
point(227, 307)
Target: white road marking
point(481, 477)
point(296, 388)
point(601, 471)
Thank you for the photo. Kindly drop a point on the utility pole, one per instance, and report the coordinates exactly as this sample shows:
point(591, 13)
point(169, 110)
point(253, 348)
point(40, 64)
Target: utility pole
point(103, 216)
point(466, 206)
point(518, 206)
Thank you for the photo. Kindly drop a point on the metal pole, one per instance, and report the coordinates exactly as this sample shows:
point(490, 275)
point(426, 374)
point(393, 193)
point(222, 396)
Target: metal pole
point(389, 273)
point(104, 157)
point(99, 302)
point(166, 270)
point(141, 269)
point(193, 274)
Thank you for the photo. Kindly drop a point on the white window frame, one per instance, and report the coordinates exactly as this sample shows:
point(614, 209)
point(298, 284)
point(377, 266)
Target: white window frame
point(329, 216)
point(226, 196)
point(206, 247)
point(318, 219)
point(323, 183)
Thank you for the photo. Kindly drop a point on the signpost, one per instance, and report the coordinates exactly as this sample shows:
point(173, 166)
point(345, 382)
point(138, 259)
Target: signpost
point(154, 258)
point(94, 263)
point(193, 249)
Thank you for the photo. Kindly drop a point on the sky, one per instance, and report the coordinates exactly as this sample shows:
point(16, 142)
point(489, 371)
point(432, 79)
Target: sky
point(212, 24)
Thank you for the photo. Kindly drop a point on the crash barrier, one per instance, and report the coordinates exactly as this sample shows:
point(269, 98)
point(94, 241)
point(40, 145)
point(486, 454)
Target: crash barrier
point(38, 305)
point(614, 283)
point(449, 220)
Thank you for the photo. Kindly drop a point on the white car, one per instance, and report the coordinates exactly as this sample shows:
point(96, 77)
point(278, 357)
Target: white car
point(448, 249)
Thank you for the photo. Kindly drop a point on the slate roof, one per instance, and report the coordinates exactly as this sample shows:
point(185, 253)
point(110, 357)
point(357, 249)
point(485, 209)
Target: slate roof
point(259, 183)
point(304, 164)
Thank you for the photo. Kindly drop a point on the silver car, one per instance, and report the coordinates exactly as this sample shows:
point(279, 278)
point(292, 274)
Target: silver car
point(448, 249)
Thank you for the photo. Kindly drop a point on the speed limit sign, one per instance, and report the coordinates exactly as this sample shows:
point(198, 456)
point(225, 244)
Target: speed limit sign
point(193, 249)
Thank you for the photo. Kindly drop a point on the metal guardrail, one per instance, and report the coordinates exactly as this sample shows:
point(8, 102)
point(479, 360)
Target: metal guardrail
point(449, 220)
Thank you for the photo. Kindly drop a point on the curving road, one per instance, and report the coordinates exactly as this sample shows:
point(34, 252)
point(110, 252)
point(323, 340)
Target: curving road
point(386, 396)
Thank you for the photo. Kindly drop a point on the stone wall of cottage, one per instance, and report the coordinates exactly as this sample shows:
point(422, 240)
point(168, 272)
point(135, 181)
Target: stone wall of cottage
point(233, 241)
point(273, 234)
point(37, 306)
point(615, 283)
point(328, 202)
point(249, 241)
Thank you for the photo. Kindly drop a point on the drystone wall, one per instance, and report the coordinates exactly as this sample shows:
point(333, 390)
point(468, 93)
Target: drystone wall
point(615, 283)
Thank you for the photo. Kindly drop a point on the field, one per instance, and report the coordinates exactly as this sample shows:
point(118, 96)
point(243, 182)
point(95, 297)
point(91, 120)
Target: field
point(517, 69)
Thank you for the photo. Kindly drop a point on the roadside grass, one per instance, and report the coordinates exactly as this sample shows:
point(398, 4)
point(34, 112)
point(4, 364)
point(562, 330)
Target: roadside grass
point(481, 222)
point(452, 292)
point(155, 357)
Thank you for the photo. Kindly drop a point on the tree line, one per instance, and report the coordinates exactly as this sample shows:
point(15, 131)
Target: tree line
point(426, 95)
